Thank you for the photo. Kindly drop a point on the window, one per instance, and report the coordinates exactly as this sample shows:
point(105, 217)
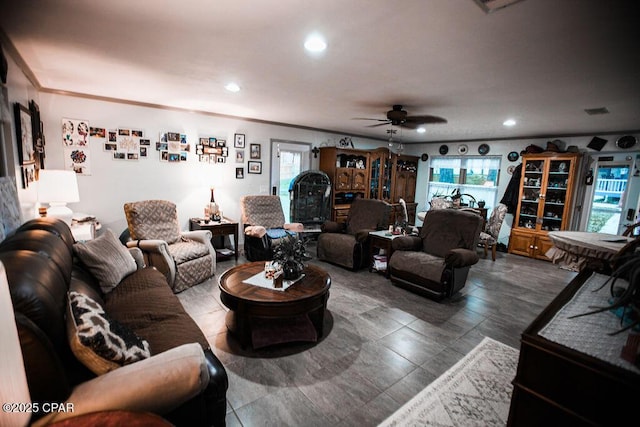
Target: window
point(474, 175)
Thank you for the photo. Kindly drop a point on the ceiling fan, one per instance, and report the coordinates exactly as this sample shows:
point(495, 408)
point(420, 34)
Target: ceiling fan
point(399, 117)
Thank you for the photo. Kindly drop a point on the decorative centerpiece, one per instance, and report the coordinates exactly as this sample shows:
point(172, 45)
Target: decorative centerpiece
point(290, 254)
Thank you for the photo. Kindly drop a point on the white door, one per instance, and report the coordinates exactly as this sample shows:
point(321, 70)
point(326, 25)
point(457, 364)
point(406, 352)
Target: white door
point(288, 159)
point(612, 199)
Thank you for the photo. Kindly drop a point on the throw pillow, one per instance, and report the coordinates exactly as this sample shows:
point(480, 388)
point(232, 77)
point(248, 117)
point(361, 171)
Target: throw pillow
point(99, 342)
point(107, 259)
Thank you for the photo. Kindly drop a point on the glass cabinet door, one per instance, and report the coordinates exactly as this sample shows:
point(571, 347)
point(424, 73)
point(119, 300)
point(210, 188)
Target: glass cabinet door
point(386, 179)
point(531, 198)
point(555, 195)
point(374, 178)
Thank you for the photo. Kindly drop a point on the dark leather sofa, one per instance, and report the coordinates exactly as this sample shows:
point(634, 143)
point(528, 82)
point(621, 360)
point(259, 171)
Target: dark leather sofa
point(41, 269)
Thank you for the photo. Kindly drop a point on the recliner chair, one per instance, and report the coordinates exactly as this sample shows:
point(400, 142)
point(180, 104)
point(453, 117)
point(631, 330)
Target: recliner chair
point(186, 258)
point(347, 244)
point(437, 261)
point(264, 226)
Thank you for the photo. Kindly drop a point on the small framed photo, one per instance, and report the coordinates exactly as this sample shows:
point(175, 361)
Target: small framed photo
point(28, 175)
point(238, 140)
point(239, 156)
point(255, 151)
point(255, 167)
point(239, 173)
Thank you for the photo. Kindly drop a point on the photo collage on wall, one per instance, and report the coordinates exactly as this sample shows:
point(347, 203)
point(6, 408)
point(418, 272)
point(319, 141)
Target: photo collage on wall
point(75, 138)
point(212, 150)
point(173, 147)
point(122, 143)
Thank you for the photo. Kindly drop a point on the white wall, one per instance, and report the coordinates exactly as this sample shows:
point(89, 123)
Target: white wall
point(113, 183)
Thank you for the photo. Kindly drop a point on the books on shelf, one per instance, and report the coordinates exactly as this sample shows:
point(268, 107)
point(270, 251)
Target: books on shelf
point(380, 262)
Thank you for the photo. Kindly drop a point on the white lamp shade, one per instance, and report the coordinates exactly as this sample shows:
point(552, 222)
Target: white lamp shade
point(58, 187)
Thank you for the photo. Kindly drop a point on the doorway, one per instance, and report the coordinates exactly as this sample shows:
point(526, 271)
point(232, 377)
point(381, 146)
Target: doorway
point(288, 159)
point(612, 200)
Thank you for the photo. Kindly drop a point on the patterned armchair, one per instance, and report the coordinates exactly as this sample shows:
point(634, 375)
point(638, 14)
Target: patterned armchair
point(264, 226)
point(348, 244)
point(489, 237)
point(186, 258)
point(10, 213)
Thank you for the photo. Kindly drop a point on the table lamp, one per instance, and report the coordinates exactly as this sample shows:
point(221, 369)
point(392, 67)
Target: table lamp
point(58, 187)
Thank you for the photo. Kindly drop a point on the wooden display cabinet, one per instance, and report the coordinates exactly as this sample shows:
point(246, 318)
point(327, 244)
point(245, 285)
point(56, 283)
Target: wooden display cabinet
point(348, 170)
point(545, 202)
point(380, 175)
point(404, 178)
point(375, 174)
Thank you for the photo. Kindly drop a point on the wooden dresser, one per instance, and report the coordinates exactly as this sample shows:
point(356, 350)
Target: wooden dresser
point(558, 385)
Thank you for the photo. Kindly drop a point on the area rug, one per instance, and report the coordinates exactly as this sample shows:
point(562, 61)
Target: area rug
point(476, 391)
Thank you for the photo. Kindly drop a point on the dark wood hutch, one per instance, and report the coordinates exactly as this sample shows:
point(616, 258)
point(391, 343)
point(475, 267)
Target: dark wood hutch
point(375, 174)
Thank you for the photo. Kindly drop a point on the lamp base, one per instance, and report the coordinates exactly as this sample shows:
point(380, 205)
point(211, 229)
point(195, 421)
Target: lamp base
point(60, 211)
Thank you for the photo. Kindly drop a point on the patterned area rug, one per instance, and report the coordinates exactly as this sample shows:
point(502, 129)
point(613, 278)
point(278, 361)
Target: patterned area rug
point(476, 391)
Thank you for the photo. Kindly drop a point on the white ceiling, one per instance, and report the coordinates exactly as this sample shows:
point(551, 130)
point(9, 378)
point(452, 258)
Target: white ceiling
point(541, 62)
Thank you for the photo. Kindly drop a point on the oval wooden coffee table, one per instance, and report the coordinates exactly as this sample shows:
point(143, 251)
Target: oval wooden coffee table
point(254, 307)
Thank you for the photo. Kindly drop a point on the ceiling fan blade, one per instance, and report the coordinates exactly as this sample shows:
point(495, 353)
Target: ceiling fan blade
point(426, 119)
point(365, 118)
point(386, 122)
point(410, 125)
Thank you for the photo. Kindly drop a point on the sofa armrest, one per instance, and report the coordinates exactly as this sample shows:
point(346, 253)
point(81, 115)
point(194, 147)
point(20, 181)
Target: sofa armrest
point(461, 257)
point(138, 256)
point(156, 254)
point(332, 227)
point(157, 384)
point(298, 227)
point(255, 231)
point(407, 243)
point(202, 236)
point(362, 235)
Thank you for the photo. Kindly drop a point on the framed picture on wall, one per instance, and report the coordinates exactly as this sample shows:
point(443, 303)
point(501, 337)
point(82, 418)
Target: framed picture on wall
point(24, 134)
point(239, 173)
point(255, 167)
point(255, 151)
point(28, 175)
point(238, 140)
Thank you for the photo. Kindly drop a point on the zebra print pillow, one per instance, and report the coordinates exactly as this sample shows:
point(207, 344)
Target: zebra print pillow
point(100, 343)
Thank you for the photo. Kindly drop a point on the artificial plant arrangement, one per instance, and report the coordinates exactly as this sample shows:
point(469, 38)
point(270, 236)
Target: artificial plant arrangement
point(291, 254)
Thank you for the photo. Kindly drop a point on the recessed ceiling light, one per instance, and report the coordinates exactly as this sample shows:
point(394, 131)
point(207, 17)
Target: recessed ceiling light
point(315, 43)
point(509, 122)
point(421, 130)
point(232, 87)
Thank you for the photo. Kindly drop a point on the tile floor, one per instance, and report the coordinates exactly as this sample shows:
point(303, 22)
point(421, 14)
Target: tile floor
point(382, 344)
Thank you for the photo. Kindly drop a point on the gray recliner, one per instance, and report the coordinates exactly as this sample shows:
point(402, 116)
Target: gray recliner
point(347, 244)
point(437, 261)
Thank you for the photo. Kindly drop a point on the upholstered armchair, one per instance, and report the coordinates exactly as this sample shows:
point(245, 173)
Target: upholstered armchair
point(264, 226)
point(347, 244)
point(436, 262)
point(186, 258)
point(10, 214)
point(489, 237)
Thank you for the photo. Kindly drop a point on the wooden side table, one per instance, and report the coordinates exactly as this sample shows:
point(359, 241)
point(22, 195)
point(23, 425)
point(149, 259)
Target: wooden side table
point(225, 227)
point(381, 240)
